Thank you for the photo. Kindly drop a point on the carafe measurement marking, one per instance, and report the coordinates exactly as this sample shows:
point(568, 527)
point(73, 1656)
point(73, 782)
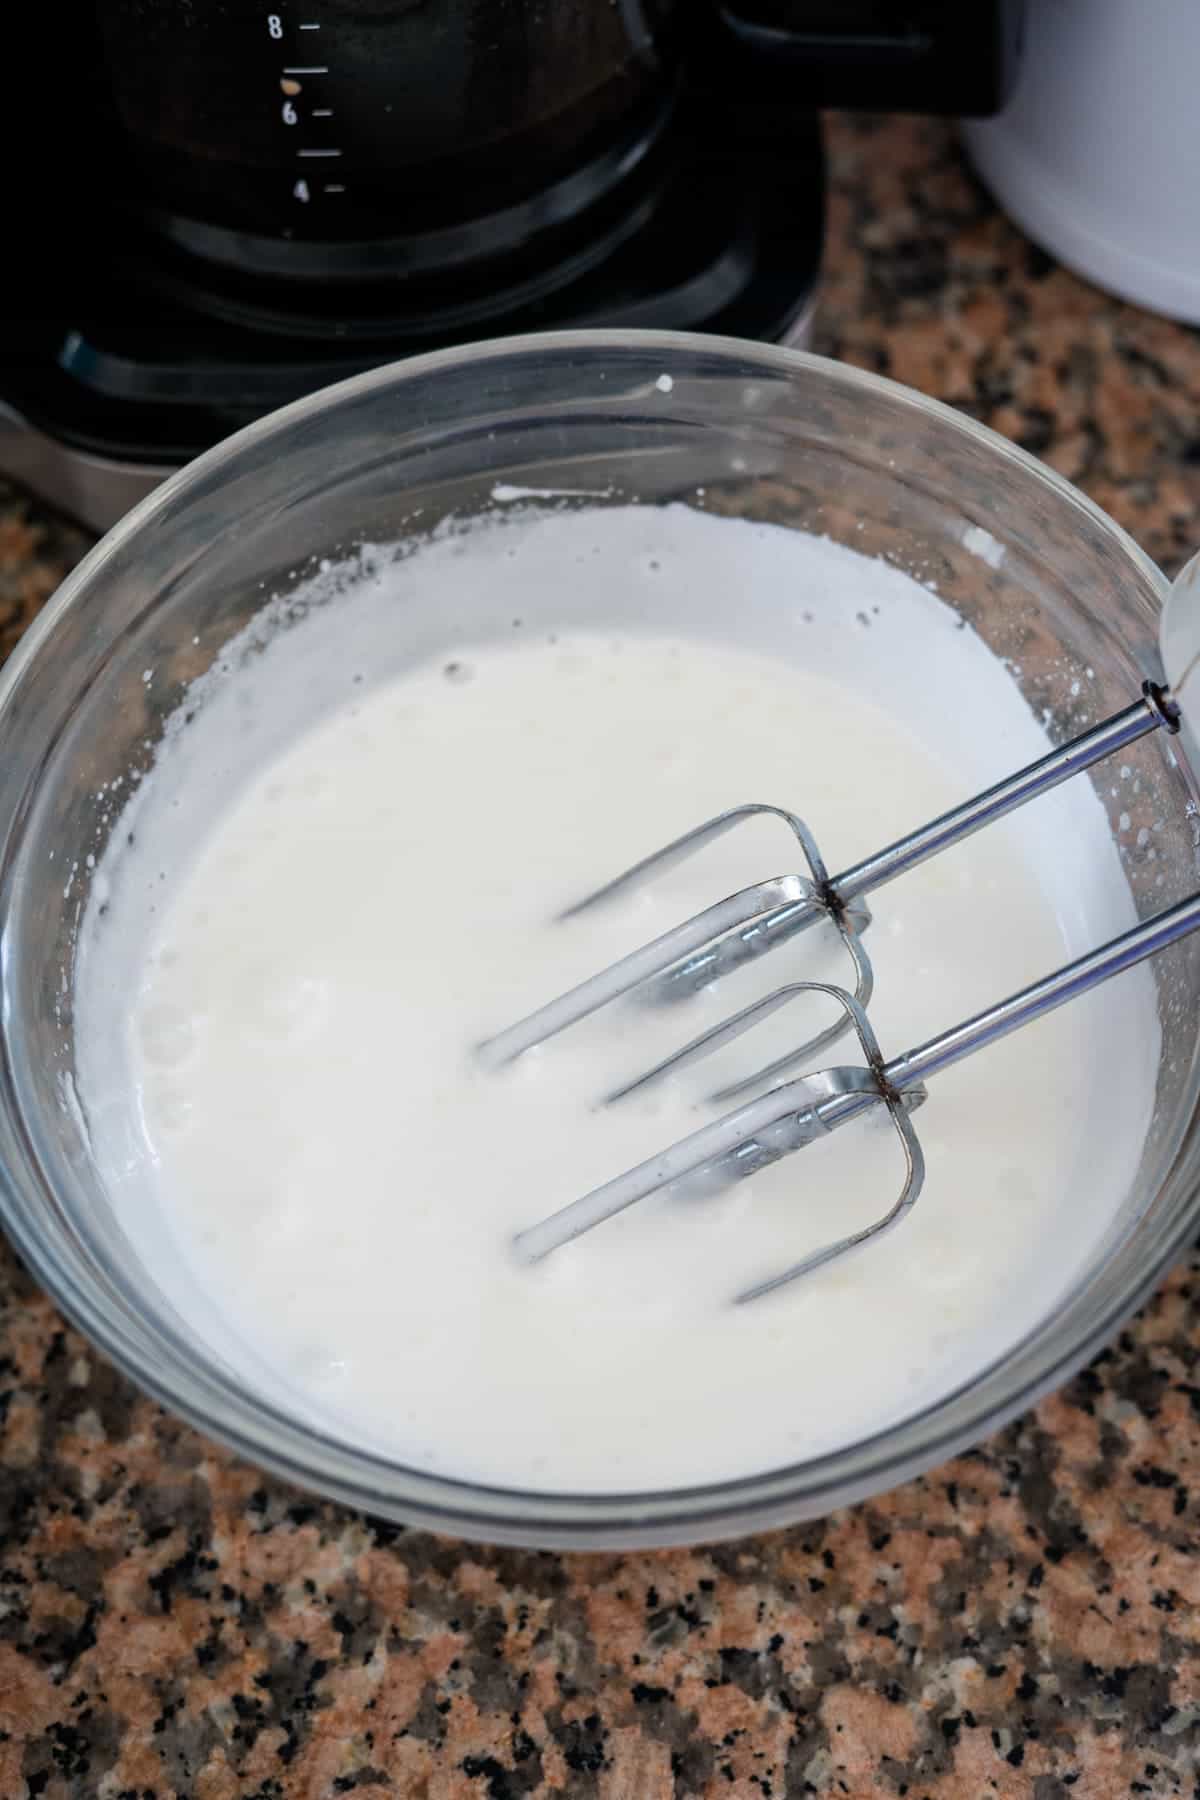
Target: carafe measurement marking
point(278, 29)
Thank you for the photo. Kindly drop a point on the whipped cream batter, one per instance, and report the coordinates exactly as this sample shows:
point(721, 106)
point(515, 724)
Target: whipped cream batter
point(344, 873)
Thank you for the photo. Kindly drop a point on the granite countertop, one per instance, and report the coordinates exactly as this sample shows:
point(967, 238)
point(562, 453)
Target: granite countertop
point(1024, 1621)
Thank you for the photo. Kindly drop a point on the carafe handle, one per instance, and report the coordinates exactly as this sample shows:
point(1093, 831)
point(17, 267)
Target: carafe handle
point(940, 56)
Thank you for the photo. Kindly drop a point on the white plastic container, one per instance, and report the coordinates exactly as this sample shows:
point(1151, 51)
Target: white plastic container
point(1097, 155)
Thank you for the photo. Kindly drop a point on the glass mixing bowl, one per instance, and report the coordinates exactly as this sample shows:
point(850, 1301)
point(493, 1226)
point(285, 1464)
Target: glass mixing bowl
point(771, 434)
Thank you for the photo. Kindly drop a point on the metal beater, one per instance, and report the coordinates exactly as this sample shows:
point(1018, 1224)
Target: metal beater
point(794, 1112)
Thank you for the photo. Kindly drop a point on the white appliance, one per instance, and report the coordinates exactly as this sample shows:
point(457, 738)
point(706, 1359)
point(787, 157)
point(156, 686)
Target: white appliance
point(1097, 154)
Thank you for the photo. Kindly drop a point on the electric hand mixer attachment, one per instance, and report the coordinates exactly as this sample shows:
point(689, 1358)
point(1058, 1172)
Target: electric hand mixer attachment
point(796, 1111)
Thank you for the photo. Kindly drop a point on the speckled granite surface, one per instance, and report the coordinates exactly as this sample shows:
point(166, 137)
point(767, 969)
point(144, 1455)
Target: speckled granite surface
point(1024, 1622)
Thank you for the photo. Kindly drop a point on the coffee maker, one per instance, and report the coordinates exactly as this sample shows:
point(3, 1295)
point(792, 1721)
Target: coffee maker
point(274, 194)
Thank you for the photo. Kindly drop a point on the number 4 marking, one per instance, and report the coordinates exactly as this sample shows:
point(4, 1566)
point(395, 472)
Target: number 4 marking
point(301, 191)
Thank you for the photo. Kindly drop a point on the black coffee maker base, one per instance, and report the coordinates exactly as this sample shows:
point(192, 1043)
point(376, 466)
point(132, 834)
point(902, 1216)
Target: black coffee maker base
point(162, 358)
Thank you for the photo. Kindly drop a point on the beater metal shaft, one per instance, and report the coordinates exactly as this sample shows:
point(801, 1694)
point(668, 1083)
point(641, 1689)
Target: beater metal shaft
point(724, 937)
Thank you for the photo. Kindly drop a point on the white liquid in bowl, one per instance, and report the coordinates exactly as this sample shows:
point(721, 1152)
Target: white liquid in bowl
point(344, 874)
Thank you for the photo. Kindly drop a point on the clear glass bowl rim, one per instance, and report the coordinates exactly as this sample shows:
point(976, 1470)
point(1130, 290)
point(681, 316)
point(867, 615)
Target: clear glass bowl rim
point(312, 1460)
